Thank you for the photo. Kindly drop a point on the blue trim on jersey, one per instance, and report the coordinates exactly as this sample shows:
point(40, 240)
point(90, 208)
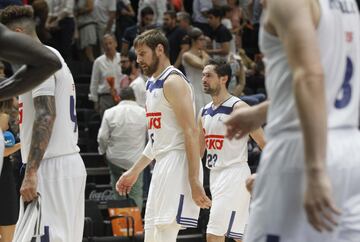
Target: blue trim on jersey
point(222, 109)
point(188, 222)
point(231, 222)
point(46, 236)
point(155, 85)
point(272, 238)
point(231, 234)
point(159, 83)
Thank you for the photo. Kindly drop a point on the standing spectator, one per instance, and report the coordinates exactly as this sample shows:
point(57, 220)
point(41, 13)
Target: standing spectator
point(87, 27)
point(104, 13)
point(200, 8)
point(175, 35)
point(48, 131)
point(194, 62)
point(146, 20)
point(121, 138)
point(61, 24)
point(158, 6)
point(105, 66)
point(220, 36)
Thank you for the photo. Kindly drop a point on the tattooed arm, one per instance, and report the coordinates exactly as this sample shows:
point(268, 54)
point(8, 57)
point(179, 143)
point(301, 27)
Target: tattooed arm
point(45, 114)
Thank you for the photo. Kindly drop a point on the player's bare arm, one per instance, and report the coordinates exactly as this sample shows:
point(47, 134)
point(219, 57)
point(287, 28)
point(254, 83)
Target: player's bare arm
point(295, 22)
point(258, 134)
point(45, 114)
point(128, 178)
point(39, 62)
point(178, 95)
point(245, 120)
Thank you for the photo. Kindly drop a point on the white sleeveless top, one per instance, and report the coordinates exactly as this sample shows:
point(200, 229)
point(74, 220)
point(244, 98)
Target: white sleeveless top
point(222, 152)
point(338, 38)
point(164, 132)
point(64, 136)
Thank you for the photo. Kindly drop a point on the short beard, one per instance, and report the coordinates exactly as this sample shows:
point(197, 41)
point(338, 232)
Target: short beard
point(153, 67)
point(213, 91)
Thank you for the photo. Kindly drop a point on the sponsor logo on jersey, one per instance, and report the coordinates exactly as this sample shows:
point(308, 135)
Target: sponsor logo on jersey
point(154, 120)
point(214, 142)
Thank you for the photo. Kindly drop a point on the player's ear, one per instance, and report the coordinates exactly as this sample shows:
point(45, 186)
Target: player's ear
point(159, 49)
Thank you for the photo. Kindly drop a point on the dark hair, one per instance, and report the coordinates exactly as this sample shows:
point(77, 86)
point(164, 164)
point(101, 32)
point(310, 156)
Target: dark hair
point(14, 14)
point(195, 33)
point(185, 16)
point(146, 11)
point(152, 38)
point(217, 12)
point(127, 93)
point(132, 55)
point(171, 13)
point(222, 68)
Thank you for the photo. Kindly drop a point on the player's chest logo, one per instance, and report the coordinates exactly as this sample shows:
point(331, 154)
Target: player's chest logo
point(154, 120)
point(214, 142)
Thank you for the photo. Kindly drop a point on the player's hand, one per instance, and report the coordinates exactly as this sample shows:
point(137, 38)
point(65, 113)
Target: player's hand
point(126, 181)
point(241, 122)
point(28, 188)
point(199, 195)
point(319, 205)
point(250, 182)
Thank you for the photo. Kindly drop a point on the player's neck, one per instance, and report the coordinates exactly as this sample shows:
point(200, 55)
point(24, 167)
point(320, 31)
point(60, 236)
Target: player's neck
point(162, 66)
point(221, 97)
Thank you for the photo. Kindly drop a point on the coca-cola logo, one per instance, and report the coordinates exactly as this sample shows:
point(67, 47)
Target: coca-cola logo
point(101, 196)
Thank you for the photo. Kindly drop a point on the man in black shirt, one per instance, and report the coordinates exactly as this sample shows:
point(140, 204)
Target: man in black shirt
point(175, 36)
point(220, 35)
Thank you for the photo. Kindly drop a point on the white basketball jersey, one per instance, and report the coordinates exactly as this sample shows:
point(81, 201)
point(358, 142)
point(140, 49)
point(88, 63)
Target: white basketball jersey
point(64, 137)
point(338, 38)
point(165, 134)
point(221, 152)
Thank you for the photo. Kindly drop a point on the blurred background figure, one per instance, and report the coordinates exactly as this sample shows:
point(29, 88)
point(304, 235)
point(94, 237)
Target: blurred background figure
point(194, 61)
point(86, 25)
point(105, 67)
point(121, 139)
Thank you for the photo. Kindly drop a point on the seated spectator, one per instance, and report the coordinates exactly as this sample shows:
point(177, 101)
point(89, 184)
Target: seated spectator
point(122, 138)
point(146, 22)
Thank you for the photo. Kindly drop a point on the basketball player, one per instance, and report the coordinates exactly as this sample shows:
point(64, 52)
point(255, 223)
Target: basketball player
point(176, 191)
point(312, 53)
point(226, 159)
point(48, 133)
point(21, 49)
